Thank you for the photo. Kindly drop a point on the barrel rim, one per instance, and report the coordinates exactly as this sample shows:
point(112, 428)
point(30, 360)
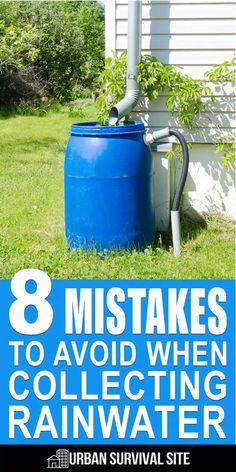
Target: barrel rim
point(92, 128)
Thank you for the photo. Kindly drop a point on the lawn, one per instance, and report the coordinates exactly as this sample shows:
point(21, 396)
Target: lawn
point(32, 219)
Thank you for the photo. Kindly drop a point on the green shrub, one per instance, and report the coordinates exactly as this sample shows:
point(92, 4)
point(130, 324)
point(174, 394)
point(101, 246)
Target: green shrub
point(184, 94)
point(49, 49)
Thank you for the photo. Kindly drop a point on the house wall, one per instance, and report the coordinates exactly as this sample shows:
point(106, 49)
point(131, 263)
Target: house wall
point(196, 35)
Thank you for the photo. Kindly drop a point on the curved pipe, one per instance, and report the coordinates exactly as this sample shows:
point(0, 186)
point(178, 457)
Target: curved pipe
point(184, 172)
point(131, 97)
point(149, 138)
point(175, 218)
point(124, 107)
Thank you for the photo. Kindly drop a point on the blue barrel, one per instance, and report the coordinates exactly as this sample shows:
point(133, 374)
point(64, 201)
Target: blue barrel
point(108, 187)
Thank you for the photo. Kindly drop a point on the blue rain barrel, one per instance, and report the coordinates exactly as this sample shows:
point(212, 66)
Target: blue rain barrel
point(108, 187)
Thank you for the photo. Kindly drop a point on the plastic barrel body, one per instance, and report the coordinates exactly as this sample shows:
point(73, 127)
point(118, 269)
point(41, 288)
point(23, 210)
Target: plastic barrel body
point(108, 187)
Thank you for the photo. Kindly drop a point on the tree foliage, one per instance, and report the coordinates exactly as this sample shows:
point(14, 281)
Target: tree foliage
point(111, 84)
point(49, 49)
point(183, 93)
point(224, 72)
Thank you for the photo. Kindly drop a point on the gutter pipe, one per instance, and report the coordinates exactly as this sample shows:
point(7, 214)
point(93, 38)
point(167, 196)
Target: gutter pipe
point(130, 100)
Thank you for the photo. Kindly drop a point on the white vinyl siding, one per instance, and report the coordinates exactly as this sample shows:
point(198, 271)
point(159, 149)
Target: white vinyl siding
point(182, 26)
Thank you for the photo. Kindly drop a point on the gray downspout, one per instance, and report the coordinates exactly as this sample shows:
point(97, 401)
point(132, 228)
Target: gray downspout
point(126, 105)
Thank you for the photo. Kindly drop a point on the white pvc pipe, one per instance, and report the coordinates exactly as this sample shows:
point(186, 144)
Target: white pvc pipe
point(176, 233)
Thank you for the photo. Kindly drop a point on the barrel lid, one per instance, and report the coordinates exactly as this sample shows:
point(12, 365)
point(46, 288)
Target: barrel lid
point(93, 128)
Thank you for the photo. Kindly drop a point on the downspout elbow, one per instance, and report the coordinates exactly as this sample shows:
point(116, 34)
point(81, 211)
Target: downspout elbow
point(125, 106)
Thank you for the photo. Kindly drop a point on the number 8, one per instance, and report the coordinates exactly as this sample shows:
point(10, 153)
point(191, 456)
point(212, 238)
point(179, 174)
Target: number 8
point(37, 299)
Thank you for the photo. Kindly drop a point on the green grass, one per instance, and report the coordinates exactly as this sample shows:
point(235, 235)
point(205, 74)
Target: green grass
point(32, 219)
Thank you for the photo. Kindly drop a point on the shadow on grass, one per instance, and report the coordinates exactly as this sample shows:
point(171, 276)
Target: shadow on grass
point(38, 110)
point(192, 225)
point(7, 112)
point(12, 110)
